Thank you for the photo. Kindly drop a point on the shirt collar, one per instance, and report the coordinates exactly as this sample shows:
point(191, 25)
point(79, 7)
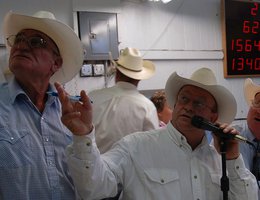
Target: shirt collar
point(180, 140)
point(250, 136)
point(126, 85)
point(15, 90)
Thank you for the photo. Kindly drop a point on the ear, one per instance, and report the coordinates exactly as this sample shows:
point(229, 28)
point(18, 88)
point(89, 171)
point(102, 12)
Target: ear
point(214, 117)
point(57, 63)
point(159, 114)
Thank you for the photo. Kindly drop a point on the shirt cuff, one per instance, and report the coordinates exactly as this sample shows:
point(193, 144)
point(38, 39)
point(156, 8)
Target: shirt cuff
point(236, 168)
point(83, 145)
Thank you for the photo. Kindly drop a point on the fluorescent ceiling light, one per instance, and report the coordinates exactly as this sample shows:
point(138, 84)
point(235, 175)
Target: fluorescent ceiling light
point(166, 1)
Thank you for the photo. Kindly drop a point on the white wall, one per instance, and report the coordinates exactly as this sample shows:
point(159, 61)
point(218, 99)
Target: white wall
point(181, 36)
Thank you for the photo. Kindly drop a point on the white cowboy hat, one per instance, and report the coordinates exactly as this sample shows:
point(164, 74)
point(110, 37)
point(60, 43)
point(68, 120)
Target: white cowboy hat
point(131, 64)
point(204, 78)
point(250, 90)
point(67, 41)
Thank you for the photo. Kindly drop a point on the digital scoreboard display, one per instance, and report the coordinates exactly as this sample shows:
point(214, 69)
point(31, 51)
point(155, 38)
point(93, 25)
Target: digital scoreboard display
point(242, 38)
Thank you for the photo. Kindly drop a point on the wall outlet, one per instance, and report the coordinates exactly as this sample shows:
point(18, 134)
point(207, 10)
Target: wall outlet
point(86, 70)
point(98, 69)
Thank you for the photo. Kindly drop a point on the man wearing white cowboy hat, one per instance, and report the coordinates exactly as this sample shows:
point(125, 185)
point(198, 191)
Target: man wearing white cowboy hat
point(172, 163)
point(122, 109)
point(250, 128)
point(32, 136)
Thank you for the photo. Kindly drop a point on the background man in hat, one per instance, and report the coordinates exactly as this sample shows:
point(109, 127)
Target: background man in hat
point(32, 137)
point(250, 128)
point(122, 109)
point(171, 163)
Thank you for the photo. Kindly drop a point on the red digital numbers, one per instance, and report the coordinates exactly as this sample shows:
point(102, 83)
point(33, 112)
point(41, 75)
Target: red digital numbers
point(251, 27)
point(254, 9)
point(241, 64)
point(247, 44)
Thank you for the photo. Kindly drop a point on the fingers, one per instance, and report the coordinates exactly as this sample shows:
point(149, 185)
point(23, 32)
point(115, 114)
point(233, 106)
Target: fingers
point(67, 106)
point(228, 129)
point(85, 99)
point(66, 119)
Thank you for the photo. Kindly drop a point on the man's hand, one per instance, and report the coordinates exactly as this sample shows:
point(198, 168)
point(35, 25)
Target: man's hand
point(232, 150)
point(76, 116)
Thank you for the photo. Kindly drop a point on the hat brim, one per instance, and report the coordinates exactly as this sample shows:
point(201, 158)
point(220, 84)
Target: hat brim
point(147, 71)
point(227, 106)
point(250, 90)
point(69, 44)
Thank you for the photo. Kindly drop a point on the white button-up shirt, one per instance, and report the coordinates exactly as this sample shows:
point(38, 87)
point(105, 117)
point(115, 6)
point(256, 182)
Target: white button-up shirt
point(156, 165)
point(119, 111)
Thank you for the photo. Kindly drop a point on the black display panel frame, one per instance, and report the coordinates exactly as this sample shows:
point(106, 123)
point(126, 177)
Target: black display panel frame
point(241, 38)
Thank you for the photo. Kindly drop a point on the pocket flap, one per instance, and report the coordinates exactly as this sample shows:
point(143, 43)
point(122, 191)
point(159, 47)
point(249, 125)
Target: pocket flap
point(215, 178)
point(162, 176)
point(12, 136)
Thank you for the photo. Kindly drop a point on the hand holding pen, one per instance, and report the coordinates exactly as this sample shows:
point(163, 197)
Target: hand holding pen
point(72, 98)
point(76, 115)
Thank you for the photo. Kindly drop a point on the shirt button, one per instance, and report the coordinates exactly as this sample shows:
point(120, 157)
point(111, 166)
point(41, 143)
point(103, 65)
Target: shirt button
point(11, 138)
point(43, 118)
point(47, 139)
point(162, 181)
point(88, 143)
point(195, 177)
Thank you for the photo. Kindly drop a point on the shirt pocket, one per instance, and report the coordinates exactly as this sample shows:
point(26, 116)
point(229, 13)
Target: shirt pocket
point(15, 148)
point(213, 186)
point(162, 183)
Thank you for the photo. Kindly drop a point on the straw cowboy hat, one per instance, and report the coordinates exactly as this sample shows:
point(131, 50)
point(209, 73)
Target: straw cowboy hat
point(131, 64)
point(70, 46)
point(205, 79)
point(250, 90)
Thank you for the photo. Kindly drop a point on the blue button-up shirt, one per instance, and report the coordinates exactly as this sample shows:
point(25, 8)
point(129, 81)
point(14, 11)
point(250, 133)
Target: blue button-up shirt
point(32, 161)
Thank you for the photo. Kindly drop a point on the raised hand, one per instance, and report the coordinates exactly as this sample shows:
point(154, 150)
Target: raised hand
point(232, 145)
point(76, 116)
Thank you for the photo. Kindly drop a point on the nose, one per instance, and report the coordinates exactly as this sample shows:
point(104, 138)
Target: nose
point(189, 106)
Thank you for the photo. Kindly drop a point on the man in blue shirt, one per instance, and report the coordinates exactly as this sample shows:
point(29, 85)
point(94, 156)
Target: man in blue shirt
point(250, 128)
point(32, 137)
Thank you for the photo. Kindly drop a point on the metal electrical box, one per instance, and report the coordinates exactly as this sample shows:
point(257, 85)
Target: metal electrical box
point(98, 33)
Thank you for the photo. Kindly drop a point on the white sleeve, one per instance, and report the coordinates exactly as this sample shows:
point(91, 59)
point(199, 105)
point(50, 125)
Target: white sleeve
point(243, 184)
point(89, 172)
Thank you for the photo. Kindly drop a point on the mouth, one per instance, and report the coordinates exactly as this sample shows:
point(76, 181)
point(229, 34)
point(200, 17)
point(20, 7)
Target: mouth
point(20, 56)
point(185, 117)
point(257, 119)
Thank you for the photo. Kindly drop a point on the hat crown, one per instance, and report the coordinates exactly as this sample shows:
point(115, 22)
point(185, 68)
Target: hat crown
point(250, 90)
point(130, 58)
point(204, 76)
point(44, 14)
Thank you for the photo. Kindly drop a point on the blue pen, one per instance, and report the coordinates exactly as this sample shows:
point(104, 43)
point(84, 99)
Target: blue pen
point(72, 98)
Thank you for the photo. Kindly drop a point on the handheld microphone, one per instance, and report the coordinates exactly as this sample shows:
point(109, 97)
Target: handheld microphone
point(201, 123)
